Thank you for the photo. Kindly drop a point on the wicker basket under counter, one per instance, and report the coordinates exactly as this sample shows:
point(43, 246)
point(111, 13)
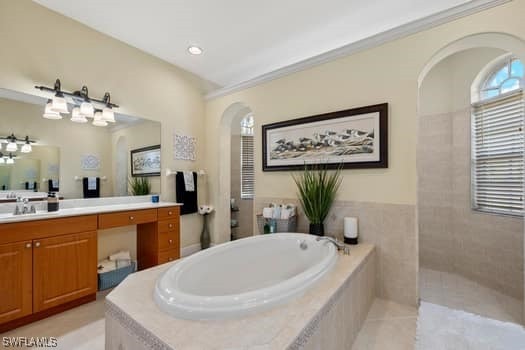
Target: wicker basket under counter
point(283, 225)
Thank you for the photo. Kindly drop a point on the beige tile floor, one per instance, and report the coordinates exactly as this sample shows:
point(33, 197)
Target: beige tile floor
point(86, 321)
point(457, 292)
point(388, 325)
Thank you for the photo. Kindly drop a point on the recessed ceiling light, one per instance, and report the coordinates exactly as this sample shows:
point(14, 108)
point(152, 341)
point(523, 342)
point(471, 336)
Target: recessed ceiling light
point(194, 50)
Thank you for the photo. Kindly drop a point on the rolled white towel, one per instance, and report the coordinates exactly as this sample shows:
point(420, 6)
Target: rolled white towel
point(106, 266)
point(268, 213)
point(286, 213)
point(122, 255)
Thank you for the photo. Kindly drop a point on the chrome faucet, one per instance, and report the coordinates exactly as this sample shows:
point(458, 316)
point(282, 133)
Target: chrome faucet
point(339, 245)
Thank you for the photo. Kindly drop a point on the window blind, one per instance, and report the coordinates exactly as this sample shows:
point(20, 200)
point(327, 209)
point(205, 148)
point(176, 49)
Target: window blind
point(247, 168)
point(497, 155)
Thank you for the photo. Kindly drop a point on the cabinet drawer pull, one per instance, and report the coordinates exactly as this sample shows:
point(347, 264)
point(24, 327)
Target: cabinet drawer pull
point(37, 244)
point(171, 241)
point(170, 259)
point(132, 218)
point(170, 225)
point(170, 212)
point(28, 245)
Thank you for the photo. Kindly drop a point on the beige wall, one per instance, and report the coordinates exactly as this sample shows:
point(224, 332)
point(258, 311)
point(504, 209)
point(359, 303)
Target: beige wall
point(452, 237)
point(44, 45)
point(388, 73)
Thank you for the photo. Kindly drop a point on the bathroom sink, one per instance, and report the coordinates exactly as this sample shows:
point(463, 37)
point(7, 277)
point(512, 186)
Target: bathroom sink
point(8, 216)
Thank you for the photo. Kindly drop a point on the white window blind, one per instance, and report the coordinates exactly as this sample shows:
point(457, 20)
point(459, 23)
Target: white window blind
point(247, 168)
point(497, 155)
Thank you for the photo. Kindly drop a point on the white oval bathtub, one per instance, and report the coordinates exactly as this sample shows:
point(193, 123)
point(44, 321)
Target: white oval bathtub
point(243, 276)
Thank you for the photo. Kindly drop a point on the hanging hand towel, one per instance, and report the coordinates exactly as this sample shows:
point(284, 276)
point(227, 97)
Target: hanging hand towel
point(189, 184)
point(91, 187)
point(187, 198)
point(92, 183)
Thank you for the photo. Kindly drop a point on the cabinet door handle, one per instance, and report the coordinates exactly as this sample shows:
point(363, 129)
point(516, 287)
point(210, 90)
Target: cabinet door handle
point(132, 218)
point(171, 241)
point(28, 245)
point(170, 259)
point(170, 212)
point(37, 244)
point(170, 225)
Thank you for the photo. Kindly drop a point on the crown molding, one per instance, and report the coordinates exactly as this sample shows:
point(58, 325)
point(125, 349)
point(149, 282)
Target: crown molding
point(365, 44)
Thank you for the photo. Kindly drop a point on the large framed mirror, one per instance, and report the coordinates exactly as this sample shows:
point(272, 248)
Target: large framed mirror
point(76, 160)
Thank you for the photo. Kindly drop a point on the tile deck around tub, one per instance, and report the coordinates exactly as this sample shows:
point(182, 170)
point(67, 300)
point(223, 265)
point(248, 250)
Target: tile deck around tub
point(131, 307)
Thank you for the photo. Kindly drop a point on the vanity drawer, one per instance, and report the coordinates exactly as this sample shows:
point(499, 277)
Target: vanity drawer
point(168, 212)
point(168, 255)
point(168, 240)
point(28, 230)
point(168, 226)
point(123, 218)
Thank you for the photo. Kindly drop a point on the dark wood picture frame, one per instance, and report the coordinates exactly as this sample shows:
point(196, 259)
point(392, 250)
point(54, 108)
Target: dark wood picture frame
point(136, 152)
point(382, 109)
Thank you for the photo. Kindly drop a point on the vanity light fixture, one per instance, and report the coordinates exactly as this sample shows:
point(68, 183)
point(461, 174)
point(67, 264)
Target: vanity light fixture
point(76, 117)
point(195, 50)
point(58, 103)
point(11, 144)
point(97, 119)
point(84, 105)
point(26, 147)
point(49, 113)
point(10, 160)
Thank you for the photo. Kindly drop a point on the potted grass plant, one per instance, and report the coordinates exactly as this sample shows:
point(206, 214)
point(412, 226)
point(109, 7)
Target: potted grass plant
point(139, 186)
point(317, 187)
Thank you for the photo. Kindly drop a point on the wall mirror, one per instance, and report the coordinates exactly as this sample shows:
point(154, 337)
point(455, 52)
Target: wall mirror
point(76, 160)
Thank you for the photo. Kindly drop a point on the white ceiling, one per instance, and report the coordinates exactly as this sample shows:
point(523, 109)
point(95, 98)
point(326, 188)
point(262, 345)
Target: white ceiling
point(245, 39)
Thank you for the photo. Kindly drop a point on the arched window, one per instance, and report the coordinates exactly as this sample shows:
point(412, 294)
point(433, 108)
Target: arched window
point(247, 158)
point(507, 78)
point(497, 140)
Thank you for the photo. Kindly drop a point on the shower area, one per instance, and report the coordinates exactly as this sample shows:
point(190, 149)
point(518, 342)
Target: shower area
point(470, 184)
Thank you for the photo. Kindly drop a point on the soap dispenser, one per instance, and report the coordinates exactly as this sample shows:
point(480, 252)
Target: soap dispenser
point(52, 202)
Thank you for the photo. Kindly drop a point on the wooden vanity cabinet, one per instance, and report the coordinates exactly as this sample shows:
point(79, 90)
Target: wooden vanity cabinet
point(50, 265)
point(16, 280)
point(64, 269)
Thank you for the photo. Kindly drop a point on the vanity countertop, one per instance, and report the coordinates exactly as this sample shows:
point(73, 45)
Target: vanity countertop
point(87, 210)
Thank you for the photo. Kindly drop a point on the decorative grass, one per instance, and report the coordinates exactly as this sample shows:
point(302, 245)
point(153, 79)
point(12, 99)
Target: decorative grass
point(317, 187)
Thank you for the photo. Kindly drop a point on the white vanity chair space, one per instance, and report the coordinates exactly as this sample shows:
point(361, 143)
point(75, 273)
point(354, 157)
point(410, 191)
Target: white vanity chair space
point(262, 292)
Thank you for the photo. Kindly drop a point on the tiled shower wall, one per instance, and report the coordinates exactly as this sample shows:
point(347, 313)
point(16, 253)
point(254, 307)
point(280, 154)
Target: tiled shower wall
point(452, 237)
point(390, 227)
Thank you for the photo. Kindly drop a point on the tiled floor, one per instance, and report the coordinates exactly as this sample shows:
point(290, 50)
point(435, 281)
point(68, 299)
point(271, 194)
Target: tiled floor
point(457, 292)
point(86, 321)
point(389, 326)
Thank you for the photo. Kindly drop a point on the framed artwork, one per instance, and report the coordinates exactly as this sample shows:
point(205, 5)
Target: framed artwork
point(145, 161)
point(357, 138)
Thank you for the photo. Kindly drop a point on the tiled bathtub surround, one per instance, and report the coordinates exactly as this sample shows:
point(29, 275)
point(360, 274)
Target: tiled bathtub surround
point(328, 316)
point(390, 227)
point(454, 238)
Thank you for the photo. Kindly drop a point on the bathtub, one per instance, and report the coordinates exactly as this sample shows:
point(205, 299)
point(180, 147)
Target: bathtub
point(243, 276)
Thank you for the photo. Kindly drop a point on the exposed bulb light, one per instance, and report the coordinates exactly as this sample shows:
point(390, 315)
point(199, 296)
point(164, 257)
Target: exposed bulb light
point(77, 117)
point(87, 110)
point(195, 50)
point(49, 113)
point(97, 119)
point(59, 104)
point(11, 145)
point(26, 148)
point(108, 115)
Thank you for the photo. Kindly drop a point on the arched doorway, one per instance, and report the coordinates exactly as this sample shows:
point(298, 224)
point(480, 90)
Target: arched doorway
point(459, 244)
point(222, 221)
